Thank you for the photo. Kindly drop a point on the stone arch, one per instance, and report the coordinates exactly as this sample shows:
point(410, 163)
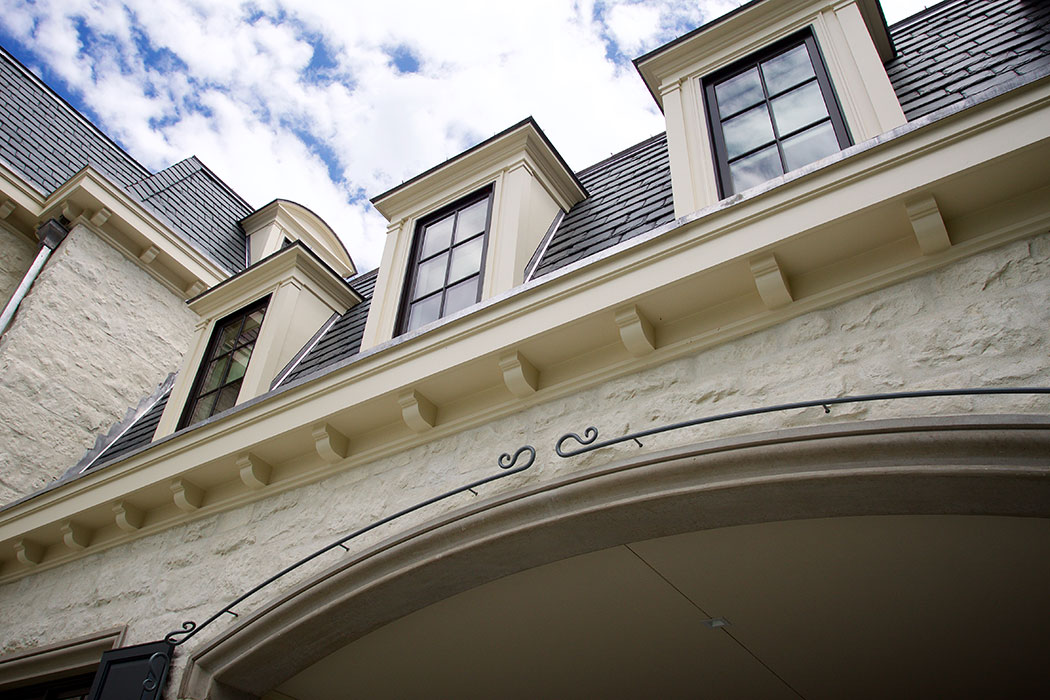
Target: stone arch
point(986, 465)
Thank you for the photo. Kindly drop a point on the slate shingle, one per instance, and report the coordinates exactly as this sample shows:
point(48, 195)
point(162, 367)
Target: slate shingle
point(139, 434)
point(47, 142)
point(961, 48)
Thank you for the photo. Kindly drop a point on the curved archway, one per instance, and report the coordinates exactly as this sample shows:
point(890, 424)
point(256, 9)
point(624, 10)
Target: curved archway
point(961, 466)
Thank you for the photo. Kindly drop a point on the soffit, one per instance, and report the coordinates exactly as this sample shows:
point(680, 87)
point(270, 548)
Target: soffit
point(873, 606)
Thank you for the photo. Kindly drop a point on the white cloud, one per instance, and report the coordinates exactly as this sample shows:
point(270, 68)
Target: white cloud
point(245, 101)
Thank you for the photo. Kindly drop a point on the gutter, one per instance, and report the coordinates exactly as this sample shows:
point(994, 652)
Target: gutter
point(51, 235)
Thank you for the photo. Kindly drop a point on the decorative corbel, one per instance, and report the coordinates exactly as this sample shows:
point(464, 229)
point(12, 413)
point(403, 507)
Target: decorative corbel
point(187, 495)
point(101, 216)
point(331, 444)
point(148, 255)
point(75, 536)
point(194, 288)
point(129, 518)
point(636, 331)
point(770, 280)
point(520, 375)
point(29, 552)
point(255, 471)
point(417, 411)
point(6, 207)
point(928, 225)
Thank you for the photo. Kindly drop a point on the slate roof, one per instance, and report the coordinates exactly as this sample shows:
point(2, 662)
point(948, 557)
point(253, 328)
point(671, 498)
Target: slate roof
point(140, 433)
point(46, 141)
point(961, 48)
point(630, 193)
point(343, 339)
point(201, 206)
point(946, 54)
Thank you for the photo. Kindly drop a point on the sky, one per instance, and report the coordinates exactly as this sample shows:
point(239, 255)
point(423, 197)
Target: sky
point(330, 102)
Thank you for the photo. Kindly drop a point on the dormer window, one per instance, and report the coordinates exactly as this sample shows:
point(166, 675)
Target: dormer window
point(444, 275)
point(772, 113)
point(219, 379)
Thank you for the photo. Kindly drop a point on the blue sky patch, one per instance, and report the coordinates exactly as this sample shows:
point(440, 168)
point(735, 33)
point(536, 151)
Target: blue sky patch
point(404, 59)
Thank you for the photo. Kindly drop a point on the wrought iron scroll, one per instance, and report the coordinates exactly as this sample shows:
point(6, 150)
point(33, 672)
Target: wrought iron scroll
point(156, 672)
point(506, 461)
point(588, 442)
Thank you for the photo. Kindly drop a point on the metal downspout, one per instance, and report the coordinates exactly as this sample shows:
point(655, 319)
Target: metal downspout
point(51, 234)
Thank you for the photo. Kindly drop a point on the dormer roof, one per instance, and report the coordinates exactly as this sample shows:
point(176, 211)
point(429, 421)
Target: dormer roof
point(524, 136)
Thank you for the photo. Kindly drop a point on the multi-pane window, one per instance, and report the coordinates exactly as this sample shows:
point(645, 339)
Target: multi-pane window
point(222, 371)
point(444, 274)
point(772, 113)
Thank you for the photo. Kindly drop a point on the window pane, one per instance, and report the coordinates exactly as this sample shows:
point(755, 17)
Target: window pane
point(213, 377)
point(798, 108)
point(466, 260)
point(737, 93)
point(436, 237)
point(251, 327)
point(228, 337)
point(748, 131)
point(812, 144)
point(239, 363)
point(227, 397)
point(431, 276)
point(461, 296)
point(423, 312)
point(755, 169)
point(202, 409)
point(788, 69)
point(472, 220)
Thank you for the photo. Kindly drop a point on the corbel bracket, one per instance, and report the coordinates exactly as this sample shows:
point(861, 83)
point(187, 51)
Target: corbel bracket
point(129, 517)
point(520, 375)
point(926, 221)
point(770, 280)
point(187, 495)
point(29, 552)
point(331, 444)
point(76, 537)
point(417, 411)
point(254, 470)
point(636, 331)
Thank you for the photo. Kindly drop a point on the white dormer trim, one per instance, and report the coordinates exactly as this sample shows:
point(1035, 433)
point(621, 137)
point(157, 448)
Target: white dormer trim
point(268, 227)
point(304, 293)
point(91, 199)
point(531, 184)
point(852, 38)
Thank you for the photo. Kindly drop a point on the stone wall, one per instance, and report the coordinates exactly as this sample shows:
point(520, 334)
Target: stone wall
point(982, 321)
point(16, 255)
point(95, 334)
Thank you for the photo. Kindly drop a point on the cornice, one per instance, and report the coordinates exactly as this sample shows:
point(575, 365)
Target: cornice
point(356, 401)
point(743, 32)
point(483, 162)
point(295, 261)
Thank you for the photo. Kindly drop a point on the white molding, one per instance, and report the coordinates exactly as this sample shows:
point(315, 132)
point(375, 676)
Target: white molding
point(926, 221)
point(983, 142)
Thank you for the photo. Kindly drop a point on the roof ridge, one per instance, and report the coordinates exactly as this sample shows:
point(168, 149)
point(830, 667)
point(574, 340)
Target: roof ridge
point(197, 166)
point(924, 12)
point(64, 104)
point(625, 152)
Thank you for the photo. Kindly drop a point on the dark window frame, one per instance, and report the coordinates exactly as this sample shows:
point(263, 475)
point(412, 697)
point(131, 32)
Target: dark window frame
point(714, 120)
point(198, 380)
point(486, 193)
